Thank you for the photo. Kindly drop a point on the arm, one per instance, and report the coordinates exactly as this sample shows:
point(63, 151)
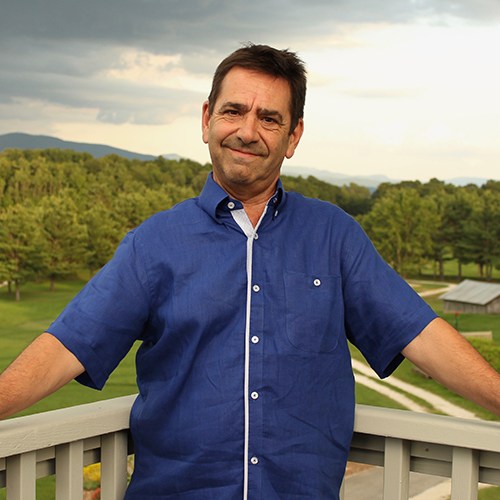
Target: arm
point(441, 352)
point(41, 369)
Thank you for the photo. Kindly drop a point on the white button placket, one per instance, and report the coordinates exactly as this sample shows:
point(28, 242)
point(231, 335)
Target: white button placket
point(244, 223)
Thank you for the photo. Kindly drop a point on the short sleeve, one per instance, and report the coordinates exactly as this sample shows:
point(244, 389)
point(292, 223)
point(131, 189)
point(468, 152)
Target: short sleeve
point(383, 314)
point(100, 325)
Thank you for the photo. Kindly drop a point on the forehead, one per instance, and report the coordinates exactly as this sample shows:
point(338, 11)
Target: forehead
point(250, 88)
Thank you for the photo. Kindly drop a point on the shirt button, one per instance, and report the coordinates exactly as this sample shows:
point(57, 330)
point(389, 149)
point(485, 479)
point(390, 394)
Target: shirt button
point(317, 282)
point(254, 460)
point(255, 236)
point(254, 395)
point(255, 339)
point(256, 288)
point(276, 213)
point(230, 205)
point(275, 200)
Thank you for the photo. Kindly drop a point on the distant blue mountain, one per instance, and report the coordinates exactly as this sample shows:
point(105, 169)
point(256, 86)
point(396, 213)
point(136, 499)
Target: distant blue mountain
point(27, 141)
point(369, 181)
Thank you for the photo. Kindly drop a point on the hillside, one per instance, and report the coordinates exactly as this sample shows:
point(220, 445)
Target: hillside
point(27, 141)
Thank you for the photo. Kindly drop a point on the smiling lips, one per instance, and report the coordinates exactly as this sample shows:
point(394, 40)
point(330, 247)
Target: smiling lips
point(236, 146)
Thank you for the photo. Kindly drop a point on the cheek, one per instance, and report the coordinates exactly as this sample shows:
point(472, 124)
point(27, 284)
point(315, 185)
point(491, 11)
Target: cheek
point(217, 132)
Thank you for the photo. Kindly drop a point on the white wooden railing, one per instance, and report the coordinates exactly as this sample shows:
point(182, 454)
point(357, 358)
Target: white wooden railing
point(62, 442)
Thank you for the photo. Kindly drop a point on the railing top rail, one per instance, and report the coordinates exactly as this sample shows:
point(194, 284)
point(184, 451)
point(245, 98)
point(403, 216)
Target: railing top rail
point(34, 432)
point(43, 430)
point(411, 426)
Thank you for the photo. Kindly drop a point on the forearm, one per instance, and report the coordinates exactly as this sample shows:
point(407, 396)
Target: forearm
point(442, 353)
point(41, 369)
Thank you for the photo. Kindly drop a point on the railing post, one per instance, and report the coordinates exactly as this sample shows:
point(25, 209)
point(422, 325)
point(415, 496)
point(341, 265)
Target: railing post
point(396, 469)
point(342, 490)
point(114, 448)
point(21, 476)
point(464, 474)
point(69, 470)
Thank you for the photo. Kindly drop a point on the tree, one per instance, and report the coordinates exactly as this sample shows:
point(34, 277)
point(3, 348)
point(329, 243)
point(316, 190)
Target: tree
point(439, 250)
point(312, 188)
point(491, 185)
point(355, 199)
point(131, 208)
point(482, 232)
point(103, 235)
point(400, 226)
point(21, 245)
point(64, 235)
point(456, 212)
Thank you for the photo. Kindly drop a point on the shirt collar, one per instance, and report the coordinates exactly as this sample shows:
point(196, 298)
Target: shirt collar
point(214, 198)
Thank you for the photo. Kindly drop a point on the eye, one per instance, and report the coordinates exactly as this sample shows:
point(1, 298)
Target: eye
point(268, 120)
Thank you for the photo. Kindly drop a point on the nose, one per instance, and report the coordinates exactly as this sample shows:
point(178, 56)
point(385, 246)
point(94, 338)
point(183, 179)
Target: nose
point(248, 130)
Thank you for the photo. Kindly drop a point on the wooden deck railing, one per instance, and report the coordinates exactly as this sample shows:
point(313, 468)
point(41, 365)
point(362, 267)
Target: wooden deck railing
point(62, 442)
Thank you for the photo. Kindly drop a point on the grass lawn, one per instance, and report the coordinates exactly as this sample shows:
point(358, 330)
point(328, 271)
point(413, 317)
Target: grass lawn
point(23, 321)
point(45, 489)
point(469, 271)
point(367, 396)
point(489, 493)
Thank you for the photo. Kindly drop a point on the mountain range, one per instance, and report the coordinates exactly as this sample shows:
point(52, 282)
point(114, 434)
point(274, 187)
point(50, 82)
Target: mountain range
point(19, 140)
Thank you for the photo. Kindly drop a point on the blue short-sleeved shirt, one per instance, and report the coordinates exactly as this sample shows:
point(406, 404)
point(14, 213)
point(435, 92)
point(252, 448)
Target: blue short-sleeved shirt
point(244, 372)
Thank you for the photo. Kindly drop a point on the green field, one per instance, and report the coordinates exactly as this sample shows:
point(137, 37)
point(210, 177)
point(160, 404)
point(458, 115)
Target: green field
point(489, 493)
point(469, 271)
point(23, 321)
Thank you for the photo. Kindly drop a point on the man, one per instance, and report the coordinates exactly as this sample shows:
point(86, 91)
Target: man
point(244, 299)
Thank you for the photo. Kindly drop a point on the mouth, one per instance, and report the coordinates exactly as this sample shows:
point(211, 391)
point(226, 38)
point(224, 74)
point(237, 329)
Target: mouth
point(243, 154)
point(243, 151)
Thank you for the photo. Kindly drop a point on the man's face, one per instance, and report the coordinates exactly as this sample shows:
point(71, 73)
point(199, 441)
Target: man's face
point(248, 131)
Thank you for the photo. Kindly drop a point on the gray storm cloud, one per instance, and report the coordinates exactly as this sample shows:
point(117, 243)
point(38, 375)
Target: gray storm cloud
point(56, 51)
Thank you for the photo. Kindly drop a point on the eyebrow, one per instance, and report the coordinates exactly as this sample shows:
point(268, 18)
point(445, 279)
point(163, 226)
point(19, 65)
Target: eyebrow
point(242, 107)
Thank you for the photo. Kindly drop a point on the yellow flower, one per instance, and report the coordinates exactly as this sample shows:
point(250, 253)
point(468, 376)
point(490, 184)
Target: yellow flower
point(92, 473)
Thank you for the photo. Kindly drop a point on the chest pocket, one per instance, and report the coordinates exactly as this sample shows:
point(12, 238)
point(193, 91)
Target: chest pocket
point(314, 311)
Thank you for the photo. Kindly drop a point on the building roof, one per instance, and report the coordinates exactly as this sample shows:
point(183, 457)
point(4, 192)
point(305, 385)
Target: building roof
point(473, 292)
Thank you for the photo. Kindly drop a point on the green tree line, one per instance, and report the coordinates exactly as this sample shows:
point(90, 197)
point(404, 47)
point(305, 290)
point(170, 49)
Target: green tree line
point(61, 211)
point(412, 223)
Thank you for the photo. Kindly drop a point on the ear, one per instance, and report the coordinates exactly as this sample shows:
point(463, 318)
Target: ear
point(205, 122)
point(294, 138)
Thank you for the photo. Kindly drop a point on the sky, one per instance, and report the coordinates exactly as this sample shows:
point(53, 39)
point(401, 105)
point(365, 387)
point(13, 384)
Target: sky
point(403, 88)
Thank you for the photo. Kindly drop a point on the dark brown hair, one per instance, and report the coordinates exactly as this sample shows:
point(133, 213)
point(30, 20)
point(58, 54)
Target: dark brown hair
point(269, 61)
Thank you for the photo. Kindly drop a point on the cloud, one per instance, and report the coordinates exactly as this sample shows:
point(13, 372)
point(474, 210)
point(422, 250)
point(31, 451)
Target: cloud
point(380, 93)
point(106, 56)
point(173, 26)
point(114, 100)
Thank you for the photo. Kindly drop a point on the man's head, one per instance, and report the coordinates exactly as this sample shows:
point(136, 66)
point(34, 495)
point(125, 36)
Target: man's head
point(251, 122)
point(263, 59)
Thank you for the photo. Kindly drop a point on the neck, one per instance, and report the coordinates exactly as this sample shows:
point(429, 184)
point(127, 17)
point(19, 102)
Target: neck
point(253, 201)
point(254, 211)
